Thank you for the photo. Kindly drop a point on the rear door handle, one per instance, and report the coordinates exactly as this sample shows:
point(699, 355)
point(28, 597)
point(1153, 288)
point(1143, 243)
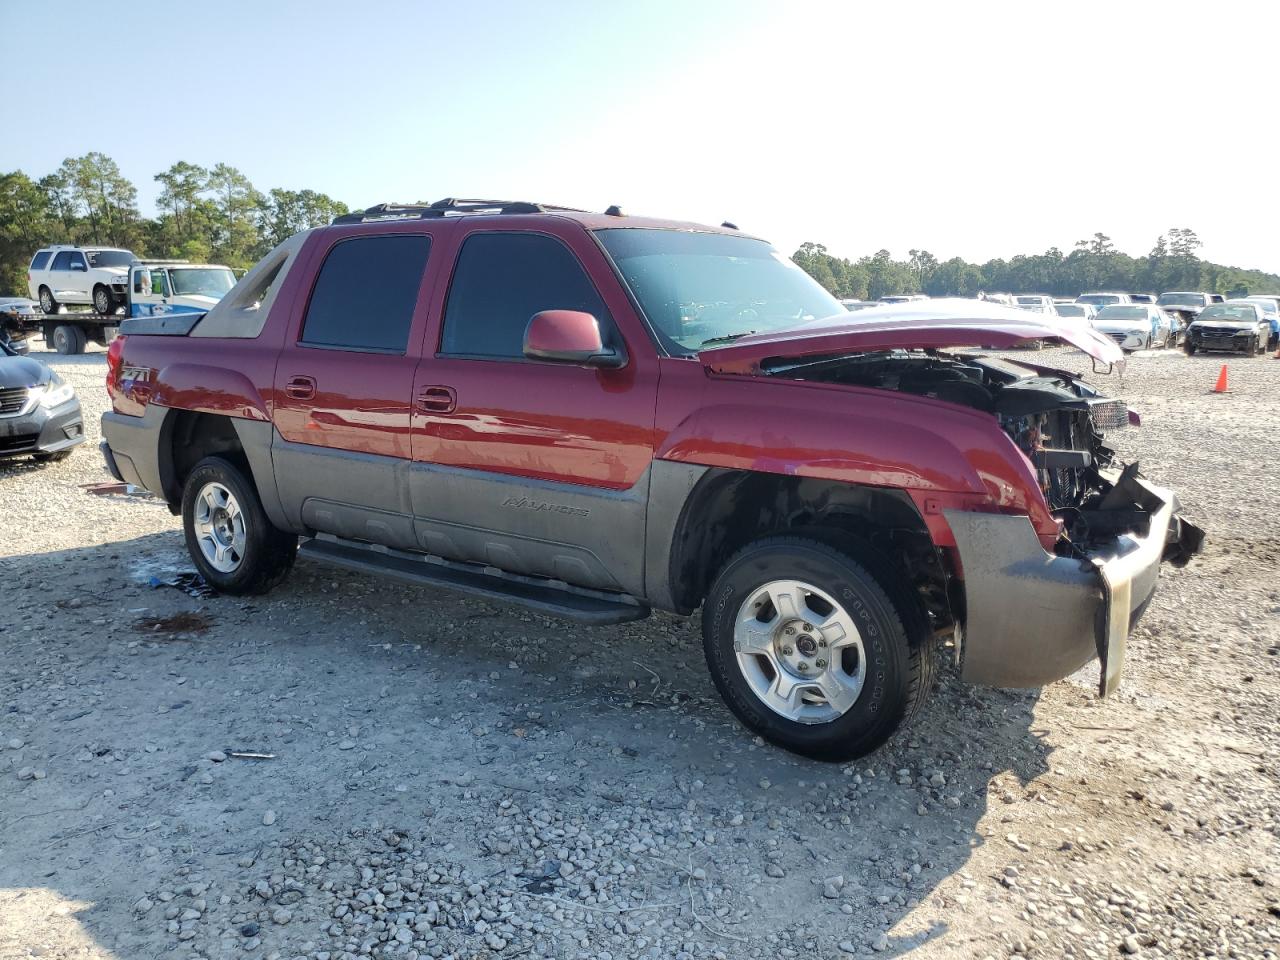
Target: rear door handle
point(437, 399)
point(301, 388)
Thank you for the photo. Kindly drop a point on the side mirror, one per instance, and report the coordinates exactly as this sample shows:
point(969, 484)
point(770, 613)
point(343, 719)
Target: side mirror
point(79, 266)
point(569, 336)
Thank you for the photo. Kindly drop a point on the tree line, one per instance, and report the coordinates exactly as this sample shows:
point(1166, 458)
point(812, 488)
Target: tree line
point(1094, 264)
point(215, 214)
point(206, 214)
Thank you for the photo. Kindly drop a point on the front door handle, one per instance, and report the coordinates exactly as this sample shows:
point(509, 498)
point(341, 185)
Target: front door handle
point(437, 399)
point(301, 388)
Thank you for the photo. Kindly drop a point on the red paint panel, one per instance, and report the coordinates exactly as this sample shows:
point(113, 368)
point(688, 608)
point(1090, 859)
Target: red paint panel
point(848, 434)
point(529, 418)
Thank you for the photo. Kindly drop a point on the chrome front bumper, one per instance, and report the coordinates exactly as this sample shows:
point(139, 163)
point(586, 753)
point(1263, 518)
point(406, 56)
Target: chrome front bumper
point(1033, 617)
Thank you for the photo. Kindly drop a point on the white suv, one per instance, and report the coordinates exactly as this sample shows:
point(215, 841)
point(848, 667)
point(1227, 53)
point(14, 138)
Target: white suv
point(97, 276)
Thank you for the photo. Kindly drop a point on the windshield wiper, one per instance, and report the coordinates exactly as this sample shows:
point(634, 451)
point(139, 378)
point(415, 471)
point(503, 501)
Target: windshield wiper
point(725, 338)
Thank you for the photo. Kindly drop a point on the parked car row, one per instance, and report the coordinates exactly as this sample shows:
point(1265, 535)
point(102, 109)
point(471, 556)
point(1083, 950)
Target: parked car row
point(1193, 320)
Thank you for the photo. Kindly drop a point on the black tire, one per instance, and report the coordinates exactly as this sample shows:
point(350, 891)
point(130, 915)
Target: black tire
point(51, 457)
point(269, 552)
point(48, 305)
point(104, 301)
point(69, 339)
point(899, 663)
point(1189, 347)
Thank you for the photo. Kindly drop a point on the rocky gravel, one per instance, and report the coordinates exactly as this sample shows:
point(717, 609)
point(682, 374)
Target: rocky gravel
point(353, 768)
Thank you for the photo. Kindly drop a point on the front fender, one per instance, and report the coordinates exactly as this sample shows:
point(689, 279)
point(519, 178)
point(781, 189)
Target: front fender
point(936, 451)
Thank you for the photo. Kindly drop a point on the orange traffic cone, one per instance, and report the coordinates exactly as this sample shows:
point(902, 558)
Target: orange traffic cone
point(1221, 385)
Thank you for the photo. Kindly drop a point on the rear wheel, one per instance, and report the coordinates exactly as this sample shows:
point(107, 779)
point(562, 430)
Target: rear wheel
point(809, 650)
point(69, 339)
point(47, 303)
point(233, 544)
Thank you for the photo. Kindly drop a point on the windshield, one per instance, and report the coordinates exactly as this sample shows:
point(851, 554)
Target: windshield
point(109, 258)
point(1122, 311)
point(201, 281)
point(697, 288)
point(1071, 310)
point(1223, 311)
point(1182, 300)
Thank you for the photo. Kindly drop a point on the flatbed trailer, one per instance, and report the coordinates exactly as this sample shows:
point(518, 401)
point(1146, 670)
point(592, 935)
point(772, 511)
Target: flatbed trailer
point(71, 332)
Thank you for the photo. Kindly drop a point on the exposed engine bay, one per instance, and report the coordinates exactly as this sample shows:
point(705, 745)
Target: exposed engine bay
point(1057, 420)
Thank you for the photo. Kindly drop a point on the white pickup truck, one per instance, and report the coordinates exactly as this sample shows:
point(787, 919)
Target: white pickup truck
point(160, 287)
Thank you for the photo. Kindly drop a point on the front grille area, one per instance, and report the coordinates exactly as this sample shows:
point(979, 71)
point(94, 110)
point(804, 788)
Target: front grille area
point(23, 441)
point(1215, 333)
point(12, 399)
point(1118, 337)
point(1109, 414)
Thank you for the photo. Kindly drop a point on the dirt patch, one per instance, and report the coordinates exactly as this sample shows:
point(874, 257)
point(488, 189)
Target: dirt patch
point(173, 624)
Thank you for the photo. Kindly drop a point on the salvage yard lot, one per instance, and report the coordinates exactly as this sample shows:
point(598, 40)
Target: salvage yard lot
point(449, 777)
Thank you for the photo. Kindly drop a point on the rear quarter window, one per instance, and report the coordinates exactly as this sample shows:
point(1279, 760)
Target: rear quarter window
point(365, 294)
point(41, 260)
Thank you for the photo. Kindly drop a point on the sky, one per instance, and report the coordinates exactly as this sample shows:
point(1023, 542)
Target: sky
point(973, 129)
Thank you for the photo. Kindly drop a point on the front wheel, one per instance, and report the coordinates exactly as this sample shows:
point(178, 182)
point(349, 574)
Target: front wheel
point(233, 544)
point(1189, 347)
point(103, 301)
point(808, 649)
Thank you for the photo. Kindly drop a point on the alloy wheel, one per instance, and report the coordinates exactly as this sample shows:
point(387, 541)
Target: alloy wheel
point(799, 651)
point(219, 527)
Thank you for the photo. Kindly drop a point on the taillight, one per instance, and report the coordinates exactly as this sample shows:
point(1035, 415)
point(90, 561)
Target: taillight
point(115, 360)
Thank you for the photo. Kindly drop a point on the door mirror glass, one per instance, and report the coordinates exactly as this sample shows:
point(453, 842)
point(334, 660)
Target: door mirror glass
point(569, 336)
point(79, 265)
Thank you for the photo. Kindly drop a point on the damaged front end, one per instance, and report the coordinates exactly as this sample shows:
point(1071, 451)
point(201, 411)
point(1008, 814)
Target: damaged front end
point(1033, 615)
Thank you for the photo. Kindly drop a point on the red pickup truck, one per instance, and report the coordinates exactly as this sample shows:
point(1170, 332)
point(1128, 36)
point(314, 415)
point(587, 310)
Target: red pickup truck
point(596, 414)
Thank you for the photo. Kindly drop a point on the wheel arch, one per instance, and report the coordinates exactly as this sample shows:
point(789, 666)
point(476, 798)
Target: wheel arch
point(727, 509)
point(188, 436)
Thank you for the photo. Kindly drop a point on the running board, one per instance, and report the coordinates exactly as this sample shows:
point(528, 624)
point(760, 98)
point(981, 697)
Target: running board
point(551, 597)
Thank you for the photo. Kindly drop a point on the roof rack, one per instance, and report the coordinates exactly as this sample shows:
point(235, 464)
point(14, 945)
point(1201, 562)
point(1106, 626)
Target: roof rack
point(448, 207)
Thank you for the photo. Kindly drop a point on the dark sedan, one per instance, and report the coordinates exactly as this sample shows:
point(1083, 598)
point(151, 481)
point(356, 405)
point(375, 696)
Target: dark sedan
point(17, 321)
point(39, 412)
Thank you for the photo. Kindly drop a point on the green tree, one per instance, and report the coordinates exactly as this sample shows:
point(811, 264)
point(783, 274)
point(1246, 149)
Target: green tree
point(180, 198)
point(25, 220)
point(102, 197)
point(235, 201)
point(282, 213)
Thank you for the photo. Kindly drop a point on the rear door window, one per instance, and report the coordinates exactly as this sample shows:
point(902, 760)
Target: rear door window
point(40, 260)
point(500, 281)
point(365, 294)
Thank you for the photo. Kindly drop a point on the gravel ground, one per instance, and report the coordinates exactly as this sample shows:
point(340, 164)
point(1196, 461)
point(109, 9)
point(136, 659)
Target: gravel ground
point(452, 778)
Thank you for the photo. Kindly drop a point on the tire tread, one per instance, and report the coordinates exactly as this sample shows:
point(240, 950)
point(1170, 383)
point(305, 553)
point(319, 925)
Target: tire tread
point(920, 660)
